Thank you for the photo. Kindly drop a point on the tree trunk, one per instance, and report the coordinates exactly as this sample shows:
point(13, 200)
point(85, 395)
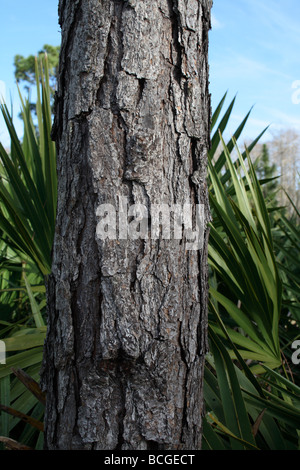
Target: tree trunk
point(127, 318)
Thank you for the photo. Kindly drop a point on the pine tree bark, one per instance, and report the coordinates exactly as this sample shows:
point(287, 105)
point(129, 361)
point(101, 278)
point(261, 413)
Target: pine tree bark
point(127, 319)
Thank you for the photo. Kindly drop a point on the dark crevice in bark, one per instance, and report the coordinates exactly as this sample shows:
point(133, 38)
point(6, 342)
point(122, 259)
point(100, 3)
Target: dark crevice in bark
point(122, 412)
point(152, 445)
point(82, 115)
point(123, 126)
point(109, 75)
point(118, 11)
point(178, 151)
point(194, 187)
point(59, 116)
point(184, 423)
point(100, 95)
point(195, 158)
point(142, 82)
point(176, 32)
point(133, 274)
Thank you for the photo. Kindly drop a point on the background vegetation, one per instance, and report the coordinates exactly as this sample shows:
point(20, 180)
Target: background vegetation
point(252, 387)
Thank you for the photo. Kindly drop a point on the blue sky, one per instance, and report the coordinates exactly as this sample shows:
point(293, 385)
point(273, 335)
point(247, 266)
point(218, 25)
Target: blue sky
point(25, 27)
point(254, 53)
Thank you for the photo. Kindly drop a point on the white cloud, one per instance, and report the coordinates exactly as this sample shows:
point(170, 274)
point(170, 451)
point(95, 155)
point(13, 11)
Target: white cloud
point(235, 65)
point(215, 23)
point(257, 68)
point(285, 119)
point(279, 20)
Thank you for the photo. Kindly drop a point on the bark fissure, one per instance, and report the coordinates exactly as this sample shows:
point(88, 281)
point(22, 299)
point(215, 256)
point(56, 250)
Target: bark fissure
point(74, 12)
point(176, 46)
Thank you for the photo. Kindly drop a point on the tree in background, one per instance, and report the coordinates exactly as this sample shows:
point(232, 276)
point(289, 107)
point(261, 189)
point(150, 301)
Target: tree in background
point(281, 157)
point(284, 151)
point(266, 170)
point(25, 68)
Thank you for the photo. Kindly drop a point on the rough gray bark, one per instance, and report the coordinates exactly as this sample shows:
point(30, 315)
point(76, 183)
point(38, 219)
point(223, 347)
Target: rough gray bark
point(127, 319)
